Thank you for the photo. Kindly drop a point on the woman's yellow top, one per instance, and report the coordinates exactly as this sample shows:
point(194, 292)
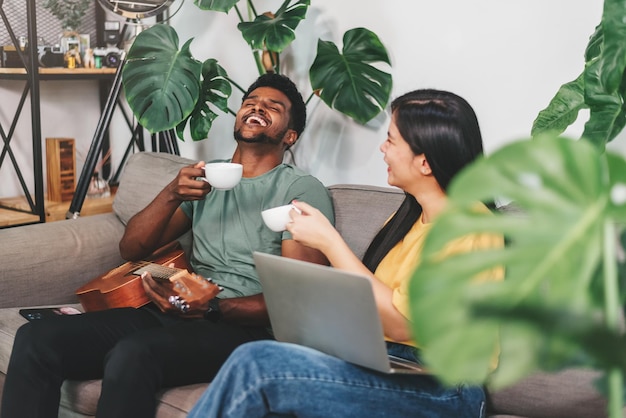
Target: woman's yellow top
point(397, 267)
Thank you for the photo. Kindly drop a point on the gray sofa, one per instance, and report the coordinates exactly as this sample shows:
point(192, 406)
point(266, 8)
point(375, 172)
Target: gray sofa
point(43, 264)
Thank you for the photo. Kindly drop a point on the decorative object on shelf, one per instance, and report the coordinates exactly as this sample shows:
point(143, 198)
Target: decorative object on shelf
point(348, 80)
point(89, 59)
point(98, 187)
point(61, 168)
point(71, 13)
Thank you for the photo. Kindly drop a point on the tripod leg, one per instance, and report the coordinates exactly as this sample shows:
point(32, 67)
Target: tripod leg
point(96, 145)
point(169, 142)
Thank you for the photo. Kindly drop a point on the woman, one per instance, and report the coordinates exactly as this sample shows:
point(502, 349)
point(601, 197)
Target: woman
point(432, 136)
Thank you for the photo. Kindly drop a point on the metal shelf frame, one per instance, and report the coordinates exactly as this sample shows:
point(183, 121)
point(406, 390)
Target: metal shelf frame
point(31, 89)
point(109, 87)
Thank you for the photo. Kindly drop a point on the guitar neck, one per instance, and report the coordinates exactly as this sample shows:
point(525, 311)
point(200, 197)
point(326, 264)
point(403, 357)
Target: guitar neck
point(157, 271)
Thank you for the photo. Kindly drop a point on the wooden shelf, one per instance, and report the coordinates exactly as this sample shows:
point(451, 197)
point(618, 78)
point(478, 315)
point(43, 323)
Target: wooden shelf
point(55, 211)
point(60, 73)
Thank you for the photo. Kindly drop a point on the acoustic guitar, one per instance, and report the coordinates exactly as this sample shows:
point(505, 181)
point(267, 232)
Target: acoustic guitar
point(122, 286)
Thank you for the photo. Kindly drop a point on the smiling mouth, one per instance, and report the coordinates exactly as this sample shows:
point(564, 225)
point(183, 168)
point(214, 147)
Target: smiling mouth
point(256, 120)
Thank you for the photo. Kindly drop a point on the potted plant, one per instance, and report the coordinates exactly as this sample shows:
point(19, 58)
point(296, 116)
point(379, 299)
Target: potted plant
point(69, 12)
point(562, 298)
point(166, 87)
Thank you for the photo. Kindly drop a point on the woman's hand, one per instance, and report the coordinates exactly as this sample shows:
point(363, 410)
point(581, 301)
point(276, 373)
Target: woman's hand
point(312, 228)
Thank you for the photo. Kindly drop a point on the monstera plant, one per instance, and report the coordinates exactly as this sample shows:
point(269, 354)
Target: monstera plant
point(561, 299)
point(167, 88)
point(601, 86)
point(564, 290)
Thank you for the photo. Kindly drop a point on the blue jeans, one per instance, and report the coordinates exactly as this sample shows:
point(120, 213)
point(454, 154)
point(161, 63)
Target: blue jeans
point(271, 379)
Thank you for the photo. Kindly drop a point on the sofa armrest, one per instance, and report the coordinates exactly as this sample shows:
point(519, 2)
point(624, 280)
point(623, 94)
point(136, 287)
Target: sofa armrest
point(43, 264)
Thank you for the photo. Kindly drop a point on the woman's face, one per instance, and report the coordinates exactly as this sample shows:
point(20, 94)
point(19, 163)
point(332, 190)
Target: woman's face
point(402, 165)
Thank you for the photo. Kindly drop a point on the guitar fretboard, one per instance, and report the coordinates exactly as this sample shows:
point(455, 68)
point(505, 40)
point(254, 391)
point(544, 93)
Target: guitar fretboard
point(157, 271)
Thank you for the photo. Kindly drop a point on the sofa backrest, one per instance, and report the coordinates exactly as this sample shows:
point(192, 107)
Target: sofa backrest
point(145, 175)
point(360, 210)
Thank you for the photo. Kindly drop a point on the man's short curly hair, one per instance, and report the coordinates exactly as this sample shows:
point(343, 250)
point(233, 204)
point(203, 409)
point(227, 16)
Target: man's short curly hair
point(282, 83)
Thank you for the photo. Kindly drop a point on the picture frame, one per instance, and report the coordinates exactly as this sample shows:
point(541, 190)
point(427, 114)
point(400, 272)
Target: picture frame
point(85, 42)
point(69, 43)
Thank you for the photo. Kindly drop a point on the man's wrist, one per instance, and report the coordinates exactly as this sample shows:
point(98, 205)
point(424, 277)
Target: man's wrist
point(214, 312)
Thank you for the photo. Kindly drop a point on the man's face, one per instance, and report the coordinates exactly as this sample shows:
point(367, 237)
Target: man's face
point(263, 117)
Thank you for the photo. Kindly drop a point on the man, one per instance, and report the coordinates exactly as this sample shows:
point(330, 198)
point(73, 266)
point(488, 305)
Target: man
point(137, 352)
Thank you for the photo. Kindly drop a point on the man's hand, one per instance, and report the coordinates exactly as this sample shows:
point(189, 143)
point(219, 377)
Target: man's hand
point(185, 295)
point(189, 183)
point(162, 221)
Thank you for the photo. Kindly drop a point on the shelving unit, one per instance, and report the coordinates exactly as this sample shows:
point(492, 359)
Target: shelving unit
point(31, 89)
point(34, 209)
point(31, 75)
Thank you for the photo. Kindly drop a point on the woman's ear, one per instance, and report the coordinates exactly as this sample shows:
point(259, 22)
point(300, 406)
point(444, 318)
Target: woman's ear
point(422, 165)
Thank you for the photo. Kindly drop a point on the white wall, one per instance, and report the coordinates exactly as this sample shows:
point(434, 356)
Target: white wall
point(506, 57)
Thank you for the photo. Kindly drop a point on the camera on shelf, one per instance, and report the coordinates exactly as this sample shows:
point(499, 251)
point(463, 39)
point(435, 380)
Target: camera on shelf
point(50, 56)
point(109, 57)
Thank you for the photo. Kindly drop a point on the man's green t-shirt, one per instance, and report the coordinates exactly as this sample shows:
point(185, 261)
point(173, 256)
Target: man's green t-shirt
point(228, 227)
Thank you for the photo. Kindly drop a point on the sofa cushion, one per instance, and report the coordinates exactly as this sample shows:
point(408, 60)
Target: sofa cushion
point(361, 210)
point(80, 399)
point(63, 255)
point(144, 176)
point(10, 321)
point(568, 393)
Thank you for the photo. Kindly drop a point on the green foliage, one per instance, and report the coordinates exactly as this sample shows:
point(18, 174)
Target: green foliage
point(558, 303)
point(348, 82)
point(215, 90)
point(345, 80)
point(168, 93)
point(216, 5)
point(274, 32)
point(69, 12)
point(601, 87)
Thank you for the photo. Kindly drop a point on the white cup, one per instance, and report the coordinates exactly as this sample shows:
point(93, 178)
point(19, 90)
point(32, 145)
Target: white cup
point(276, 218)
point(223, 176)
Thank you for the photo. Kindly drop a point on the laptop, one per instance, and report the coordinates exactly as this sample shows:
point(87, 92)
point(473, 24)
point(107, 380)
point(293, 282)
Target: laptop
point(330, 310)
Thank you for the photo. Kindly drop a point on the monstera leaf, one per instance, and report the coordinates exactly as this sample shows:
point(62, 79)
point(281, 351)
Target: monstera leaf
point(161, 83)
point(216, 5)
point(347, 82)
point(167, 88)
point(560, 298)
point(601, 87)
point(216, 89)
point(275, 32)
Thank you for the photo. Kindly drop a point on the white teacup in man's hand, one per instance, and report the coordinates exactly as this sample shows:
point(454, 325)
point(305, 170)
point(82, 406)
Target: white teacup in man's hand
point(277, 218)
point(223, 176)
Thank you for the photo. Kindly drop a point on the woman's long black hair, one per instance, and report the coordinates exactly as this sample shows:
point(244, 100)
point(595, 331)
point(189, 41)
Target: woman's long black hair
point(443, 127)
